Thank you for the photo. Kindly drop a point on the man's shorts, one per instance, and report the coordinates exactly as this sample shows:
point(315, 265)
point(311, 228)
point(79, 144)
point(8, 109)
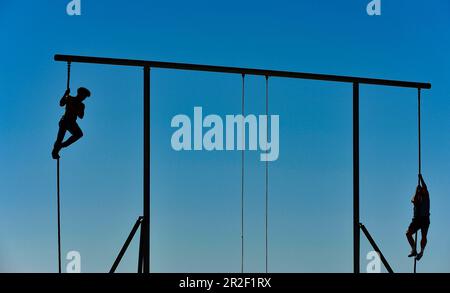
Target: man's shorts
point(419, 223)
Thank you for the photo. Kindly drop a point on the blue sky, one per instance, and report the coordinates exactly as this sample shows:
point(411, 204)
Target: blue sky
point(196, 195)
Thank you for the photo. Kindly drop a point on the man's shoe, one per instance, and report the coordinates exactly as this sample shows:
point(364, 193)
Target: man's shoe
point(419, 256)
point(55, 154)
point(413, 253)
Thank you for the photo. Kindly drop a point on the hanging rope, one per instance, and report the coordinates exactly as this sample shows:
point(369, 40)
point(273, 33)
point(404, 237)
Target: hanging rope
point(58, 189)
point(68, 75)
point(59, 217)
point(267, 174)
point(419, 128)
point(242, 174)
point(420, 161)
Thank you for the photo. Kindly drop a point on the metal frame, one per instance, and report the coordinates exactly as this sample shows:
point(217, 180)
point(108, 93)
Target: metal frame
point(147, 65)
point(125, 246)
point(377, 249)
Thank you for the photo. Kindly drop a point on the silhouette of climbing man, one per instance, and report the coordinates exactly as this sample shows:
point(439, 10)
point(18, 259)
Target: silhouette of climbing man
point(68, 122)
point(421, 219)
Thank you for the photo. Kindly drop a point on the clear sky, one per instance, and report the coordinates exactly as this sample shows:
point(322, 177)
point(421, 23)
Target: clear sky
point(196, 195)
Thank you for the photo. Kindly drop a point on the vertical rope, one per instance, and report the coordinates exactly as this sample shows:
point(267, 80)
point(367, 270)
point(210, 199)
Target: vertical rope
point(420, 160)
point(59, 217)
point(57, 188)
point(419, 127)
point(267, 175)
point(68, 75)
point(242, 174)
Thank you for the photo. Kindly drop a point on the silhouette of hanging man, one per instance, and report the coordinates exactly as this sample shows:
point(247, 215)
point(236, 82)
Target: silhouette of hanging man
point(421, 219)
point(74, 109)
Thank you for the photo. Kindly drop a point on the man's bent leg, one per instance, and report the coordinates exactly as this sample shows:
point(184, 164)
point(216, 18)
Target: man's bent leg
point(409, 235)
point(76, 132)
point(423, 241)
point(59, 138)
point(412, 243)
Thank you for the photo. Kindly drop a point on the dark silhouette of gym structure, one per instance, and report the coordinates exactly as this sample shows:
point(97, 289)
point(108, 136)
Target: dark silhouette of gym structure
point(143, 222)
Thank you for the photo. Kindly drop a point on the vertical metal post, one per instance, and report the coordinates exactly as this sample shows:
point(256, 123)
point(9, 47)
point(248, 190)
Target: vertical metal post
point(267, 175)
point(242, 173)
point(356, 232)
point(146, 221)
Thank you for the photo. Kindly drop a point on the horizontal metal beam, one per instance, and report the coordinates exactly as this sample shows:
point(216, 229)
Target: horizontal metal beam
point(240, 70)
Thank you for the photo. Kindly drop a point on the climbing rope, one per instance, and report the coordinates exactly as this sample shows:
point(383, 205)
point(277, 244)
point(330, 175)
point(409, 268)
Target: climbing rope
point(419, 134)
point(59, 217)
point(58, 189)
point(68, 75)
point(420, 161)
